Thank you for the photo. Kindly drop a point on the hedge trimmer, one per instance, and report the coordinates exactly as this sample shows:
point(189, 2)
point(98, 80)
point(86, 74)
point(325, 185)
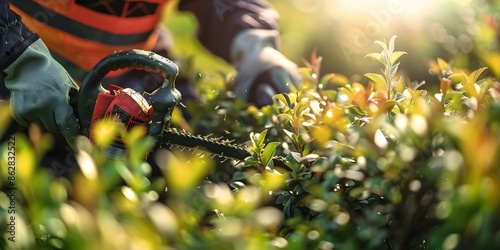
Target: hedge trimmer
point(152, 110)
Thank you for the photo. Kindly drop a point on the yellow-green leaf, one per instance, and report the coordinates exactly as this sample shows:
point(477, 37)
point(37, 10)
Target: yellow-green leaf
point(105, 131)
point(475, 75)
point(347, 91)
point(299, 109)
point(334, 79)
point(306, 74)
point(183, 170)
point(391, 44)
point(287, 99)
point(389, 105)
point(457, 78)
point(269, 152)
point(469, 85)
point(259, 138)
point(375, 56)
point(395, 56)
point(382, 44)
point(378, 79)
point(273, 180)
point(286, 116)
point(442, 64)
point(327, 78)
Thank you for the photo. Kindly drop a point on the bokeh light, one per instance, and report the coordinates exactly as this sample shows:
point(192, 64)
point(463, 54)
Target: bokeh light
point(343, 32)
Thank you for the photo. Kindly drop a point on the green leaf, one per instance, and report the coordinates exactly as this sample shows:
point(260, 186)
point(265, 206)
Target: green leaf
point(385, 58)
point(286, 99)
point(251, 161)
point(296, 156)
point(378, 79)
point(286, 116)
point(299, 109)
point(375, 56)
point(261, 138)
point(289, 206)
point(382, 44)
point(239, 175)
point(289, 133)
point(334, 79)
point(389, 105)
point(468, 84)
point(393, 70)
point(443, 65)
point(326, 79)
point(330, 94)
point(257, 141)
point(391, 44)
point(475, 75)
point(346, 91)
point(458, 78)
point(357, 111)
point(269, 152)
point(395, 56)
point(283, 198)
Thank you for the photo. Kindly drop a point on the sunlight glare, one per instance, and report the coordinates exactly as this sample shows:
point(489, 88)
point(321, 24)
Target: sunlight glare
point(394, 7)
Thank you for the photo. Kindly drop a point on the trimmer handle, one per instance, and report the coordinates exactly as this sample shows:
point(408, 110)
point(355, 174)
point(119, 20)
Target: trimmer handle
point(162, 100)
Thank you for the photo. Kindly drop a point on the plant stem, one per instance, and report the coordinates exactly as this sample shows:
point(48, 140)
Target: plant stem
point(389, 81)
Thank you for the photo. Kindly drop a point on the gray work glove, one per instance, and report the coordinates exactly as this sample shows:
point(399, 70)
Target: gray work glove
point(39, 88)
point(262, 70)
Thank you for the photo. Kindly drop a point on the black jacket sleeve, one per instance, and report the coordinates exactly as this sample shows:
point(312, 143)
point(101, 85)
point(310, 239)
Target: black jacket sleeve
point(220, 20)
point(16, 37)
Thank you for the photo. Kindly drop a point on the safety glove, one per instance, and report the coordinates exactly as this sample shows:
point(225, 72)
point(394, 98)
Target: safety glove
point(39, 92)
point(262, 70)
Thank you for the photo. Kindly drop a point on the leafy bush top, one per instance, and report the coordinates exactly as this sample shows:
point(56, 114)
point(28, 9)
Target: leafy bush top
point(380, 166)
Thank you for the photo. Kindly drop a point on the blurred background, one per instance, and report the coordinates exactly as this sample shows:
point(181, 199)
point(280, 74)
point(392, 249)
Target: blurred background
point(464, 32)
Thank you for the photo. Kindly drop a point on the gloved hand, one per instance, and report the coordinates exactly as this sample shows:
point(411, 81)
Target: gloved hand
point(39, 88)
point(262, 70)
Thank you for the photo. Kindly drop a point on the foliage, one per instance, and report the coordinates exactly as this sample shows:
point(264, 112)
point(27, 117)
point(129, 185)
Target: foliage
point(379, 166)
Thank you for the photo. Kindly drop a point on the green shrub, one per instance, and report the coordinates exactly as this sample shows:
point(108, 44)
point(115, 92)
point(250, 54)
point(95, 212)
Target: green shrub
point(379, 166)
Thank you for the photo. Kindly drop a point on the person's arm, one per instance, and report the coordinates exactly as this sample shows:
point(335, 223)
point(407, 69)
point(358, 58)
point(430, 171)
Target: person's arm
point(38, 84)
point(219, 21)
point(16, 37)
point(245, 33)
